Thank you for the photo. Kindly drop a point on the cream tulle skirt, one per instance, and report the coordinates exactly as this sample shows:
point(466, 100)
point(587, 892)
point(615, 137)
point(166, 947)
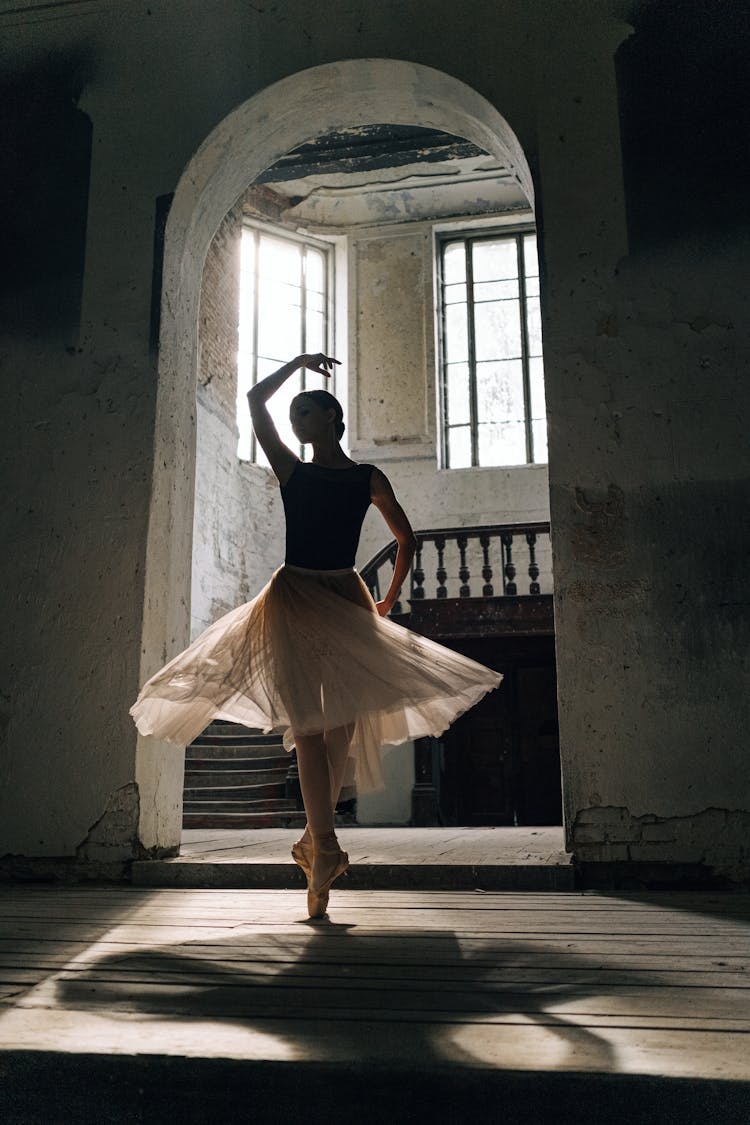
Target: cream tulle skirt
point(310, 653)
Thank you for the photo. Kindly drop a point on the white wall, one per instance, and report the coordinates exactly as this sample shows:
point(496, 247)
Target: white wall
point(238, 529)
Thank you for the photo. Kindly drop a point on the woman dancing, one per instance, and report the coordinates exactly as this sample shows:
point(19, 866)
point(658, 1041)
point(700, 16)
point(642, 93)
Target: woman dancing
point(313, 654)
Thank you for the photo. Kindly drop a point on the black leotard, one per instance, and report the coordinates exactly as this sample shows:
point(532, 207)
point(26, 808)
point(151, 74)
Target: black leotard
point(324, 511)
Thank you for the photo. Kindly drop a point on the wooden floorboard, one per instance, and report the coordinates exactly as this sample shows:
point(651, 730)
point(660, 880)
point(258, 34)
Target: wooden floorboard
point(639, 984)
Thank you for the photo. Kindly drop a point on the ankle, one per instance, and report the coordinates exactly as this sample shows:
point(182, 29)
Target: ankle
point(324, 841)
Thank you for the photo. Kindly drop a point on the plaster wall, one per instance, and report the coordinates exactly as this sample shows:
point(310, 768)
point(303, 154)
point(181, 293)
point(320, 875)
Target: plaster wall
point(646, 360)
point(646, 345)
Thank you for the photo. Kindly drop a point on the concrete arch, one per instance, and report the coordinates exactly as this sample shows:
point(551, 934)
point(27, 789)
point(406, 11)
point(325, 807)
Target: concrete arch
point(256, 134)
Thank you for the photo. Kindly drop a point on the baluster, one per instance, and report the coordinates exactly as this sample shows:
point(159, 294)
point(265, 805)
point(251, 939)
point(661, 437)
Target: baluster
point(533, 568)
point(463, 573)
point(487, 589)
point(417, 591)
point(509, 569)
point(397, 604)
point(441, 573)
point(373, 585)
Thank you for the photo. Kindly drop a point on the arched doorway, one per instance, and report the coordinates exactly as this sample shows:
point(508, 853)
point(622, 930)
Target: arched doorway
point(252, 137)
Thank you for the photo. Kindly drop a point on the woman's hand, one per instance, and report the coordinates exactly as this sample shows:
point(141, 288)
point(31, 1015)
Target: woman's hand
point(320, 363)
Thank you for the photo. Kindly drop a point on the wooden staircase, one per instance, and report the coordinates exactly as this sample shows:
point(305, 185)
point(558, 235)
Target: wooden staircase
point(236, 778)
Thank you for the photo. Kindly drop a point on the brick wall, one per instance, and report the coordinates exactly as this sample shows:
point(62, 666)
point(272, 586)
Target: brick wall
point(219, 316)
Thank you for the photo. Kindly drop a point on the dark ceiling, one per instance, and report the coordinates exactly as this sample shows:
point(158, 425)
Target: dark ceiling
point(368, 148)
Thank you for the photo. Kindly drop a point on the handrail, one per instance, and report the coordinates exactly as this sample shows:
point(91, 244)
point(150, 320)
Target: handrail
point(506, 532)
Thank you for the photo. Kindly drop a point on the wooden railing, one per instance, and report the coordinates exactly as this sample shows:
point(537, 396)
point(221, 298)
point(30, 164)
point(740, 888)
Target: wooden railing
point(500, 553)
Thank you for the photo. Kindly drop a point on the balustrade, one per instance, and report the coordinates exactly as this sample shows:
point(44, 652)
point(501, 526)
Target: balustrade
point(462, 553)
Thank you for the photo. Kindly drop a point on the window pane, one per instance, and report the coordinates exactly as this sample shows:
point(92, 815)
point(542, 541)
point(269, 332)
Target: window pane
point(454, 293)
point(280, 260)
point(536, 382)
point(456, 341)
point(530, 259)
point(314, 381)
point(500, 392)
point(279, 328)
point(534, 326)
point(496, 290)
point(315, 335)
point(459, 447)
point(457, 380)
point(315, 301)
point(493, 261)
point(502, 443)
point(539, 433)
point(532, 286)
point(454, 262)
point(497, 330)
point(315, 270)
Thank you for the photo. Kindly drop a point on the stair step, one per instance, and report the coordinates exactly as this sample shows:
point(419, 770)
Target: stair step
point(244, 820)
point(212, 765)
point(219, 730)
point(250, 805)
point(202, 779)
point(238, 750)
point(234, 792)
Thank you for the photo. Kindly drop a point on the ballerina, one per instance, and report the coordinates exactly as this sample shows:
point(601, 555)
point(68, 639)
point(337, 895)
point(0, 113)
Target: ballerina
point(312, 654)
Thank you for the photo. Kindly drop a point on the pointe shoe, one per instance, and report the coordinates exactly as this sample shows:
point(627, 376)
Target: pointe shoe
point(337, 863)
point(302, 854)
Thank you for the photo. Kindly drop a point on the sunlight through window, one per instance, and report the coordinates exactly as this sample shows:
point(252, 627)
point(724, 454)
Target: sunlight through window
point(492, 370)
point(284, 312)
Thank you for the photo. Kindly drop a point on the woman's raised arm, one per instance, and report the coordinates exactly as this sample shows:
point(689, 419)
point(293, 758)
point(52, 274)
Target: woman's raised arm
point(281, 459)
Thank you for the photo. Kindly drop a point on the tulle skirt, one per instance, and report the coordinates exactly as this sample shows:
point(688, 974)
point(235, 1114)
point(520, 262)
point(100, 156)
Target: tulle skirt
point(310, 653)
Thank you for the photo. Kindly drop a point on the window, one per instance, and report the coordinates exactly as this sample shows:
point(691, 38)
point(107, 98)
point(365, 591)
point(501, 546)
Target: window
point(284, 312)
point(491, 351)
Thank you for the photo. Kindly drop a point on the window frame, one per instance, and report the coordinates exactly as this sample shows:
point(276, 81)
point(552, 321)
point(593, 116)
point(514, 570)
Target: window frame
point(260, 228)
point(468, 236)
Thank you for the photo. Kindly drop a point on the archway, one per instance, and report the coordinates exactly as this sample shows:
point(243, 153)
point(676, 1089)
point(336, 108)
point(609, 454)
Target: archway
point(254, 136)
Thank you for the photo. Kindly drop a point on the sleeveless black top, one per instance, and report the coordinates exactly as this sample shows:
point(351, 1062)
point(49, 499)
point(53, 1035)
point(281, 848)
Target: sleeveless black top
point(325, 509)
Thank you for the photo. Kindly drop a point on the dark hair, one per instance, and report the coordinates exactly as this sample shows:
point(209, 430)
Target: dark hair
point(326, 401)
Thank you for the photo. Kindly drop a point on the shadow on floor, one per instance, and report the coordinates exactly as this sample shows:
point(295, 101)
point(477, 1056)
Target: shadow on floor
point(375, 1025)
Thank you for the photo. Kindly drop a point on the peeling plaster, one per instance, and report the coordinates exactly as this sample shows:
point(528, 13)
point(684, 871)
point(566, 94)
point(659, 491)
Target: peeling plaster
point(114, 836)
point(714, 838)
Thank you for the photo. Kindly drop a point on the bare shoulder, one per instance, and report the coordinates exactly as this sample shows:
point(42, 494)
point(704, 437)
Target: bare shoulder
point(380, 486)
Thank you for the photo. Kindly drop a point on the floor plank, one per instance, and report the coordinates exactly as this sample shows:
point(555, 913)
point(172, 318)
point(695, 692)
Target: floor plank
point(648, 985)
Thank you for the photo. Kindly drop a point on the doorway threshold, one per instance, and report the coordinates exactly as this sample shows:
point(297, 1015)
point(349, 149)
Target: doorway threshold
point(387, 858)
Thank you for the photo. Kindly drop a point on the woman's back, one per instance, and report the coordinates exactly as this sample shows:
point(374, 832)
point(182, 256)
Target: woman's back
point(324, 510)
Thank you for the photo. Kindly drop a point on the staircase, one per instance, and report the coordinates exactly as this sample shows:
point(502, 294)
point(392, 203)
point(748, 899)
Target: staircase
point(236, 778)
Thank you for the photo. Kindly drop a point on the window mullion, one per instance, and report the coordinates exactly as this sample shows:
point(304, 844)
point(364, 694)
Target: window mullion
point(256, 287)
point(303, 326)
point(443, 361)
point(472, 354)
point(525, 348)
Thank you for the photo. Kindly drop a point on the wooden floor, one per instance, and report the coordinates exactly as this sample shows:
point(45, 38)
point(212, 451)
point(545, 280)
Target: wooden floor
point(650, 984)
